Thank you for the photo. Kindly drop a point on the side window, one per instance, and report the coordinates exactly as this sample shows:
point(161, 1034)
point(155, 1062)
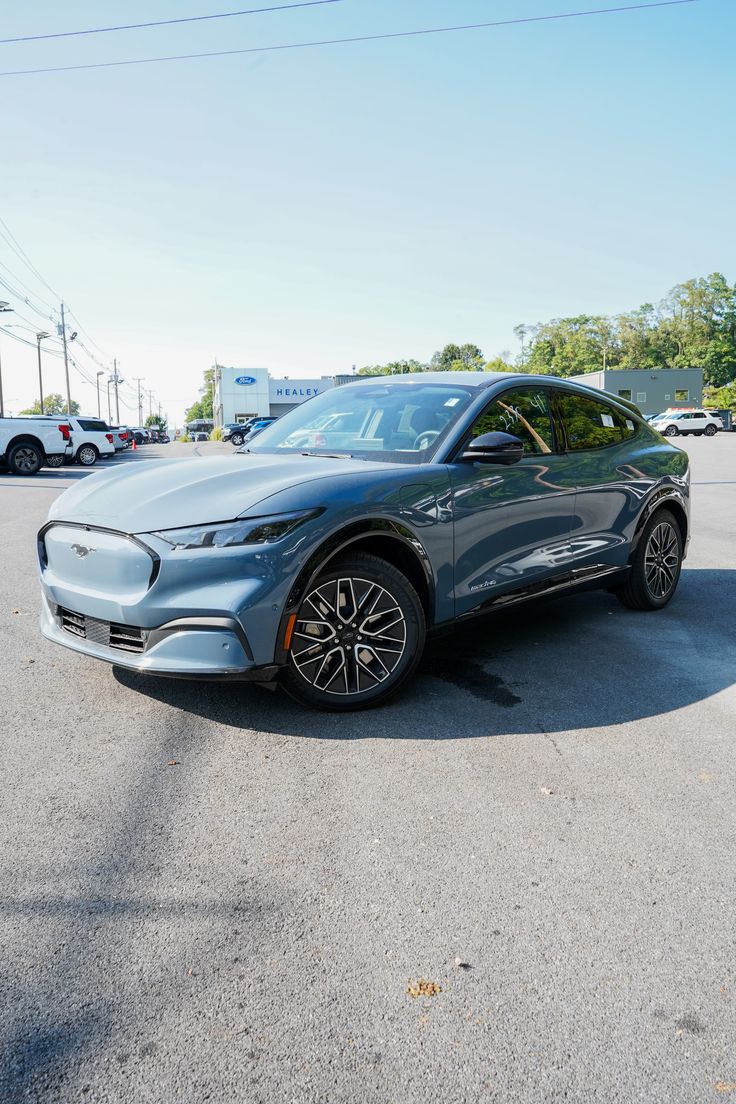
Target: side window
point(591, 424)
point(91, 424)
point(525, 413)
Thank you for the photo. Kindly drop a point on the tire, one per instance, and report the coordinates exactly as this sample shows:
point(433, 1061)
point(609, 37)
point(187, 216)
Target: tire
point(655, 566)
point(25, 458)
point(236, 439)
point(711, 430)
point(55, 461)
point(345, 671)
point(87, 455)
point(671, 431)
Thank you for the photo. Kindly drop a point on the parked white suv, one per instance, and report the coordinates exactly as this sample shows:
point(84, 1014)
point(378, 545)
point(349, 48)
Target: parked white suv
point(698, 422)
point(91, 439)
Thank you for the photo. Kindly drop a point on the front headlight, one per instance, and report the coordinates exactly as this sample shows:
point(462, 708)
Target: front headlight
point(229, 534)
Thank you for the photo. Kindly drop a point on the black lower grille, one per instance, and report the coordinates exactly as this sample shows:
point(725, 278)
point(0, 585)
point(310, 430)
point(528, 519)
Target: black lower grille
point(124, 638)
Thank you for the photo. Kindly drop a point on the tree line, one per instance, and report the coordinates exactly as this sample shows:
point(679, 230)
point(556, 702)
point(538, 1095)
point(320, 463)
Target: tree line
point(694, 326)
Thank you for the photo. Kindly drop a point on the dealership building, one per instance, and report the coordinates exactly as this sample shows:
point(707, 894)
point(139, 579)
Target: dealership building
point(246, 393)
point(653, 391)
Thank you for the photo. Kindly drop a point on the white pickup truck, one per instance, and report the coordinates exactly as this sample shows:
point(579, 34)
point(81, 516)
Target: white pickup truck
point(26, 444)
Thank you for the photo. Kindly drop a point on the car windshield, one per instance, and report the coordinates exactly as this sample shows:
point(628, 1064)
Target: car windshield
point(398, 422)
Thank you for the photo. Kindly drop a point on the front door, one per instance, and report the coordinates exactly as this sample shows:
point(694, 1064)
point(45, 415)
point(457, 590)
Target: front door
point(512, 523)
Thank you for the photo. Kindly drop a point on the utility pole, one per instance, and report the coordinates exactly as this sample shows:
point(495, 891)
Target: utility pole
point(66, 364)
point(139, 380)
point(109, 412)
point(115, 381)
point(150, 407)
point(99, 411)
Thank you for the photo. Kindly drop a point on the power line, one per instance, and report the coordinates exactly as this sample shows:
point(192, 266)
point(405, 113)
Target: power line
point(341, 41)
point(168, 22)
point(20, 252)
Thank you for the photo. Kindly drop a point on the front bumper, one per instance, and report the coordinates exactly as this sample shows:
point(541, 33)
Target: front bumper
point(194, 647)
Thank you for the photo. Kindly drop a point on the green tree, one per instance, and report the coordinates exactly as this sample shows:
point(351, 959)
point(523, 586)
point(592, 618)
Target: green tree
point(458, 358)
point(393, 368)
point(202, 408)
point(157, 420)
point(52, 404)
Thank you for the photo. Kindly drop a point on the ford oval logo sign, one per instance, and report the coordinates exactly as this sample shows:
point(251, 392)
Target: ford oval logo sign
point(245, 379)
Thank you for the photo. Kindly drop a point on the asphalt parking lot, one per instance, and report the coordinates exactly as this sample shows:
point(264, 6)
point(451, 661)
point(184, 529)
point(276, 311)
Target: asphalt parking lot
point(211, 895)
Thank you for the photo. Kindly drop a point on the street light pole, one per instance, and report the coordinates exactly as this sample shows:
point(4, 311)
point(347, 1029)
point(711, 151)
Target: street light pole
point(139, 381)
point(39, 339)
point(109, 412)
point(5, 308)
point(115, 381)
point(99, 411)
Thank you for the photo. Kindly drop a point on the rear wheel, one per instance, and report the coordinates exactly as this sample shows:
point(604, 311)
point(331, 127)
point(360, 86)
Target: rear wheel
point(55, 461)
point(87, 455)
point(710, 430)
point(25, 458)
point(671, 431)
point(236, 438)
point(655, 566)
point(359, 634)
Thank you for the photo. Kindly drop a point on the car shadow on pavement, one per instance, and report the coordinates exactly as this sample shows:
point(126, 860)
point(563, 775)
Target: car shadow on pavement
point(583, 662)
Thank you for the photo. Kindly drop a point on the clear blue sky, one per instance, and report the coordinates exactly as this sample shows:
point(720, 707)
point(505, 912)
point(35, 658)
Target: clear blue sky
point(311, 209)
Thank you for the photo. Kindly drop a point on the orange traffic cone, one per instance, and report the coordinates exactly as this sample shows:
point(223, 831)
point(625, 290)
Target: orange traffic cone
point(135, 446)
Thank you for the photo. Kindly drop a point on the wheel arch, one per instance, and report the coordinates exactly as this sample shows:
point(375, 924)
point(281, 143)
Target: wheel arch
point(25, 439)
point(675, 503)
point(387, 539)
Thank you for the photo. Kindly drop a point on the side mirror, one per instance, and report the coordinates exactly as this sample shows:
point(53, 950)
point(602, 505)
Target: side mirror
point(493, 448)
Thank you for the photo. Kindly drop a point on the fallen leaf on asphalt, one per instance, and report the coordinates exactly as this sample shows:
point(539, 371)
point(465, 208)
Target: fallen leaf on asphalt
point(546, 790)
point(423, 988)
point(460, 965)
point(15, 611)
point(173, 763)
point(705, 776)
point(725, 1086)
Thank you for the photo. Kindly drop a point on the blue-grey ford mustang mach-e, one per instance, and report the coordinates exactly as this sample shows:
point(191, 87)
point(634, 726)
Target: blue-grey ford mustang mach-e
point(323, 554)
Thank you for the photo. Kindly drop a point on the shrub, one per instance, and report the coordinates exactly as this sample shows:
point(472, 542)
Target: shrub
point(216, 434)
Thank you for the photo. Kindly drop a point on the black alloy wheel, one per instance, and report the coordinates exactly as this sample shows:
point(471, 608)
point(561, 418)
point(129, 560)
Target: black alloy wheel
point(236, 438)
point(25, 458)
point(656, 564)
point(711, 430)
point(671, 431)
point(359, 634)
point(87, 455)
point(55, 461)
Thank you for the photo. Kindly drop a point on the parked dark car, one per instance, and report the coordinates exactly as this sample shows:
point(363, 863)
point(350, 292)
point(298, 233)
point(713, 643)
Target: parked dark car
point(238, 433)
point(201, 436)
point(430, 499)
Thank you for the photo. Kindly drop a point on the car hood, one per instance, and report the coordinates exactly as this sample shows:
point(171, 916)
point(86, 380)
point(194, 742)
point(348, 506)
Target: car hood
point(144, 496)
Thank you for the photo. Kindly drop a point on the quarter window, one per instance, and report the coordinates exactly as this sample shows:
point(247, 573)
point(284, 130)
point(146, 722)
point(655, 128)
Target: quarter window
point(525, 413)
point(591, 424)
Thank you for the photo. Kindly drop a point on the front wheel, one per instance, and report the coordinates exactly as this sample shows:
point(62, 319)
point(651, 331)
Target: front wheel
point(655, 566)
point(359, 634)
point(671, 431)
point(236, 438)
point(710, 430)
point(87, 455)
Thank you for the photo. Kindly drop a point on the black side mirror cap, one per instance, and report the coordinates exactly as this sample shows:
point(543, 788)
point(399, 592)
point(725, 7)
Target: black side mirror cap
point(493, 448)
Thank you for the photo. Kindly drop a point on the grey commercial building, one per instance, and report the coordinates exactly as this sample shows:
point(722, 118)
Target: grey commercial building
point(652, 390)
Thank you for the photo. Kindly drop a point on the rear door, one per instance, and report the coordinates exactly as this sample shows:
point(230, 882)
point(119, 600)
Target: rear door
point(601, 447)
point(512, 523)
